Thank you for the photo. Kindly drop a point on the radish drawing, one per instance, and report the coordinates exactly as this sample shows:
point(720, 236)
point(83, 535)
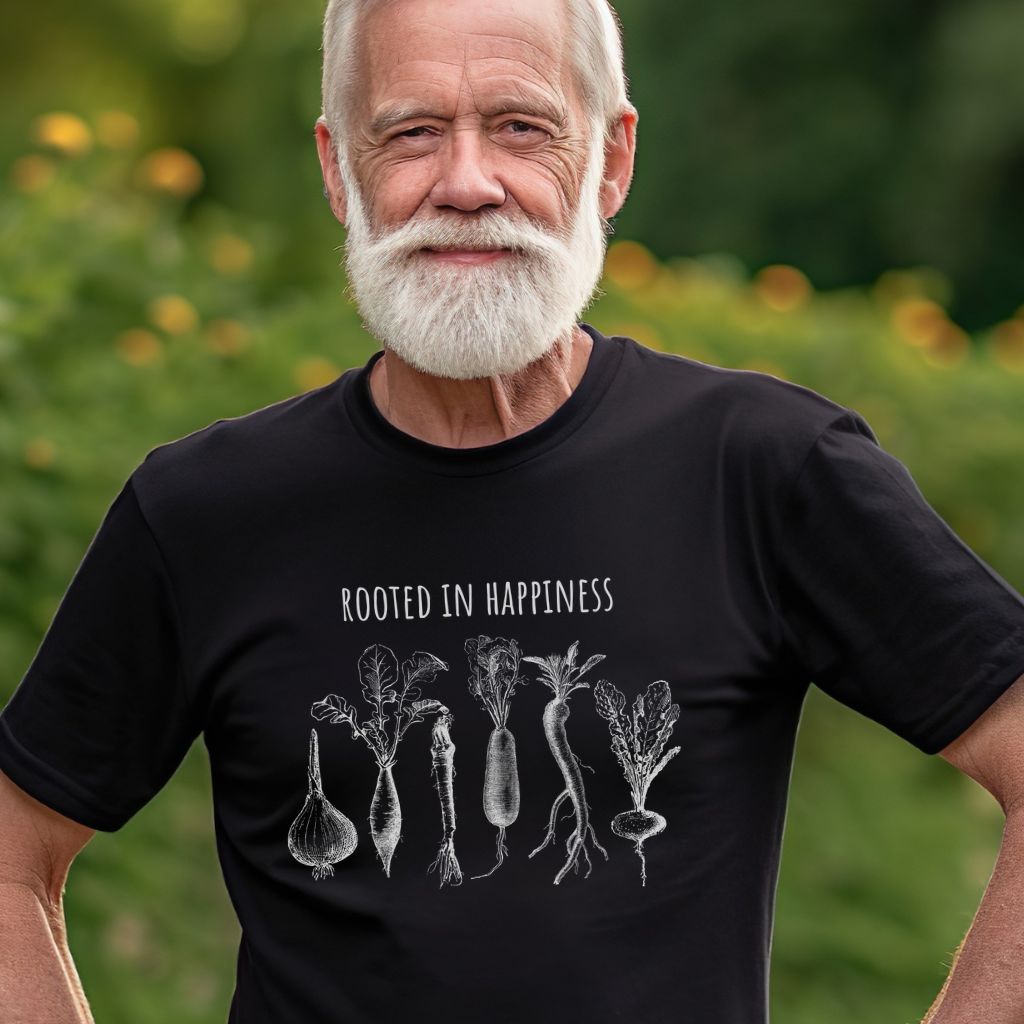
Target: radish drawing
point(393, 697)
point(561, 676)
point(493, 677)
point(637, 741)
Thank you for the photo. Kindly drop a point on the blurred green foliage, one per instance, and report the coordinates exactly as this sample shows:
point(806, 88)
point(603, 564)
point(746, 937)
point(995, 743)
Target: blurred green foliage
point(845, 139)
point(142, 297)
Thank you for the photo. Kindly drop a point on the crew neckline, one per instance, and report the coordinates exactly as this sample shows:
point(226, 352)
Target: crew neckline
point(357, 399)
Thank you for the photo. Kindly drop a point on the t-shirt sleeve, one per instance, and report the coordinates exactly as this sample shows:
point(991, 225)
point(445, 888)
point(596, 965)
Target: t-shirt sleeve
point(884, 607)
point(100, 720)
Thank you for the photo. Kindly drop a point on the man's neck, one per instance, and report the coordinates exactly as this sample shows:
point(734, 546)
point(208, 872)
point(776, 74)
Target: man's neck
point(482, 411)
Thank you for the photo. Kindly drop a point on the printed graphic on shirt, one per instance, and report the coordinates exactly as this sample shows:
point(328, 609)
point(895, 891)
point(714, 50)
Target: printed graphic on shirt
point(493, 678)
point(638, 741)
point(321, 836)
point(561, 675)
point(384, 684)
point(442, 759)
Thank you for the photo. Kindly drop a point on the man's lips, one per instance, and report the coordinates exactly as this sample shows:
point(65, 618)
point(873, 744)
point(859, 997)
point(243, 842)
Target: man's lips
point(466, 255)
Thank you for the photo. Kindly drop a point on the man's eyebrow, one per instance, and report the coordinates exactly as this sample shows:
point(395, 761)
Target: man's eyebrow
point(388, 117)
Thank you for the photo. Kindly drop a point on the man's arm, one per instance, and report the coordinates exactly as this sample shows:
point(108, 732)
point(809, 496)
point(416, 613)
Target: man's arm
point(39, 983)
point(986, 982)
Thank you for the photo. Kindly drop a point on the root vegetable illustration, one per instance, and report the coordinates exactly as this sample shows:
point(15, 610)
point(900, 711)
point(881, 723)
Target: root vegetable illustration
point(442, 752)
point(637, 741)
point(385, 816)
point(562, 676)
point(321, 836)
point(494, 675)
point(393, 697)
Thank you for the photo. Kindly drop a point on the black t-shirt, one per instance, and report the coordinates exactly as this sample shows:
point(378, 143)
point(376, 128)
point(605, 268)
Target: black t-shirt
point(566, 668)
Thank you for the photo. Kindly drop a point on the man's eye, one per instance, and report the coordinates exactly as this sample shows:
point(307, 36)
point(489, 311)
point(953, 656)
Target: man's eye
point(411, 133)
point(524, 128)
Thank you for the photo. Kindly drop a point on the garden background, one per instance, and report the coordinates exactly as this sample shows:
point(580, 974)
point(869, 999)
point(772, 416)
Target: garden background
point(828, 193)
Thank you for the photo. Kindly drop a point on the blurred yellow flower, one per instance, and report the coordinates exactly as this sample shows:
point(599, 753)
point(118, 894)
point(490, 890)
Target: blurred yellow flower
point(920, 322)
point(138, 346)
point(172, 170)
point(948, 348)
point(32, 173)
point(629, 264)
point(173, 314)
point(314, 372)
point(230, 254)
point(1007, 345)
point(117, 129)
point(226, 337)
point(62, 131)
point(782, 287)
point(40, 452)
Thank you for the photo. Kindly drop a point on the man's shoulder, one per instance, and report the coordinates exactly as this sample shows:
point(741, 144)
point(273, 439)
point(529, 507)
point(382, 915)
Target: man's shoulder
point(739, 406)
point(233, 458)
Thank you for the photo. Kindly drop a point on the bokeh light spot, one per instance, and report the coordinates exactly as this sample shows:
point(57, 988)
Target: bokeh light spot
point(172, 170)
point(32, 173)
point(173, 314)
point(138, 346)
point(40, 452)
point(230, 254)
point(117, 129)
point(62, 131)
point(630, 264)
point(314, 372)
point(782, 287)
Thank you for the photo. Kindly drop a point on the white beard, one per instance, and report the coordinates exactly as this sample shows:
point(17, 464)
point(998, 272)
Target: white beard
point(476, 320)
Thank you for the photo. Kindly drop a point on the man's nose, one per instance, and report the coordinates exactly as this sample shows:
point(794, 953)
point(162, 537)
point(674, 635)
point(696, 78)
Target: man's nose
point(466, 180)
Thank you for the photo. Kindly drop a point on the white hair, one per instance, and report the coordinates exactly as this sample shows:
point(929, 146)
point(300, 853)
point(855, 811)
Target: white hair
point(597, 57)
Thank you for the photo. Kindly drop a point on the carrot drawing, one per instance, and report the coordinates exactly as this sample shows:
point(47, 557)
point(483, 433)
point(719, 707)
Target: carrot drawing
point(442, 752)
point(494, 675)
point(637, 741)
point(562, 676)
point(384, 687)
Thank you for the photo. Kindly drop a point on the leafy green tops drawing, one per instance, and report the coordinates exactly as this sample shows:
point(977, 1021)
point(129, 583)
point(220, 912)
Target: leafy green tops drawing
point(395, 703)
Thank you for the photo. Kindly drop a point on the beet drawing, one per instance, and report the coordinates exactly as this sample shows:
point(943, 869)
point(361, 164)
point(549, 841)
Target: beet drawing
point(637, 740)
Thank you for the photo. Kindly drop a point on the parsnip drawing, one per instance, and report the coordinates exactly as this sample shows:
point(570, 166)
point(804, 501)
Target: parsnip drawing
point(321, 836)
point(561, 675)
point(385, 687)
point(637, 741)
point(493, 677)
point(442, 752)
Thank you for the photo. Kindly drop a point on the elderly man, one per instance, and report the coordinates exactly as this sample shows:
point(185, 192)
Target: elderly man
point(499, 642)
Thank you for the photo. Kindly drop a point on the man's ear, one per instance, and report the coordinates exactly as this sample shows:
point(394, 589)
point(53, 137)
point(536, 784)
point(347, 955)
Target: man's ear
point(619, 152)
point(334, 186)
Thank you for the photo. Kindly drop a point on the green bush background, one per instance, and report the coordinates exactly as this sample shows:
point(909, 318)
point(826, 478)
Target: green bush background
point(166, 260)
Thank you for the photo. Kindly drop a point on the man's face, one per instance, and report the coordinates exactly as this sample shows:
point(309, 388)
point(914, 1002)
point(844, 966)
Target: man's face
point(472, 184)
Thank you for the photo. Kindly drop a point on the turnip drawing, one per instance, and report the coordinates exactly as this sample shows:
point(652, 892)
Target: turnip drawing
point(383, 685)
point(562, 676)
point(637, 741)
point(321, 836)
point(493, 677)
point(442, 752)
